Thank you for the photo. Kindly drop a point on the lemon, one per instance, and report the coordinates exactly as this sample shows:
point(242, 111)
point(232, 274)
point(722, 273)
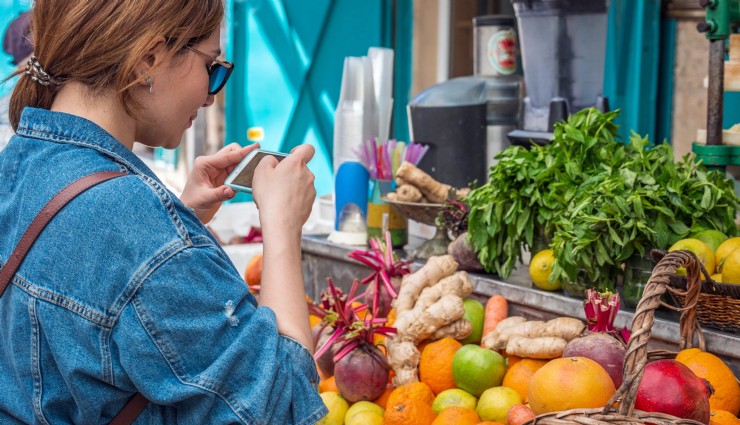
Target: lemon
point(717, 277)
point(362, 406)
point(365, 417)
point(337, 406)
point(699, 248)
point(713, 238)
point(495, 402)
point(731, 268)
point(540, 268)
point(724, 249)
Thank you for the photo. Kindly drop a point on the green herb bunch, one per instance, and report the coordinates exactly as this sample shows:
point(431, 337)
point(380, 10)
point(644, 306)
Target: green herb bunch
point(651, 201)
point(595, 200)
point(529, 189)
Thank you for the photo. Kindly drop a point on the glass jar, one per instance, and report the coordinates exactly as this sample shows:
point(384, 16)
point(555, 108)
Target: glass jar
point(637, 271)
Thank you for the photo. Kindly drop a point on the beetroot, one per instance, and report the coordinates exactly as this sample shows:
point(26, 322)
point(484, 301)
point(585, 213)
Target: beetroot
point(362, 374)
point(325, 361)
point(604, 349)
point(672, 388)
point(384, 298)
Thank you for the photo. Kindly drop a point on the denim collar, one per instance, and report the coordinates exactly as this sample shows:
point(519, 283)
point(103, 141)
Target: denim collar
point(60, 127)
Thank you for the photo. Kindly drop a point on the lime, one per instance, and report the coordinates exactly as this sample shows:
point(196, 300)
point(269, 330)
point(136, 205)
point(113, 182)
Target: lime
point(713, 238)
point(474, 313)
point(699, 248)
point(540, 268)
point(453, 397)
point(337, 406)
point(476, 369)
point(495, 403)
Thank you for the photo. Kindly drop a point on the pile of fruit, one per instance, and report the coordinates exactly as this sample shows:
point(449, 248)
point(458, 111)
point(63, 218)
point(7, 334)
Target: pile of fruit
point(452, 360)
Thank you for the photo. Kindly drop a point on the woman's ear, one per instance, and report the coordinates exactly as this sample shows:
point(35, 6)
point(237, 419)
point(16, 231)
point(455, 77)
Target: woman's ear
point(154, 54)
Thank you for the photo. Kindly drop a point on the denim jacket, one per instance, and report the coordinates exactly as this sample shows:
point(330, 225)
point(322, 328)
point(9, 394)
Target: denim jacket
point(127, 291)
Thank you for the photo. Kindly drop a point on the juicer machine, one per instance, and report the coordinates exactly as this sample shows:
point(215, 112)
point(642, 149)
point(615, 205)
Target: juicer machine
point(563, 47)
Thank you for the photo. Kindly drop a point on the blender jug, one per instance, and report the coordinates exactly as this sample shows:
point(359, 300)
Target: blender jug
point(563, 45)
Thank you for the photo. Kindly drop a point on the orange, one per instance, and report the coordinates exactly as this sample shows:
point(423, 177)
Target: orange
point(408, 412)
point(391, 317)
point(511, 361)
point(518, 376)
point(382, 400)
point(415, 391)
point(253, 271)
point(489, 423)
point(410, 404)
point(457, 416)
point(723, 417)
point(328, 384)
point(710, 367)
point(435, 367)
point(313, 320)
point(569, 383)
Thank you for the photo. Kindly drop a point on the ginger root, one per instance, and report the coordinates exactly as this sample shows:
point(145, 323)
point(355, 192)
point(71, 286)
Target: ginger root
point(427, 185)
point(408, 193)
point(403, 357)
point(544, 347)
point(566, 328)
point(422, 323)
point(412, 284)
point(457, 330)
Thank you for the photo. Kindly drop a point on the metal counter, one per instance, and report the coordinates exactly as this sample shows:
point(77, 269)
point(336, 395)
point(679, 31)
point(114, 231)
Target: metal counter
point(322, 259)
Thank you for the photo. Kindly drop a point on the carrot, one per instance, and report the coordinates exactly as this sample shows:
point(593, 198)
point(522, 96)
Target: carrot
point(496, 310)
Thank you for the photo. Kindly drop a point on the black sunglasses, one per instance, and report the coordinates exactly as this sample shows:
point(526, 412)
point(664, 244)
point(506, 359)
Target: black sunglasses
point(218, 71)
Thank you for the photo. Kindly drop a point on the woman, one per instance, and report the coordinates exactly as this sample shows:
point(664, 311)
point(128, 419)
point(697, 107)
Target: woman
point(126, 291)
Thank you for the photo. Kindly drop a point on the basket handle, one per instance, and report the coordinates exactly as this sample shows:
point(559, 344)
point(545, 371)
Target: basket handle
point(637, 354)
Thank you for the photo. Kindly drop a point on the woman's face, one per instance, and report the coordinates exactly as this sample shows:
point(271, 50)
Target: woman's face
point(179, 89)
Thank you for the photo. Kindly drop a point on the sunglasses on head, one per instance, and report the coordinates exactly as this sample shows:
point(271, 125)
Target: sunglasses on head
point(218, 71)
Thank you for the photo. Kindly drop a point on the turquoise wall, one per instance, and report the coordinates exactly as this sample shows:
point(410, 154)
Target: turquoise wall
point(289, 57)
point(9, 10)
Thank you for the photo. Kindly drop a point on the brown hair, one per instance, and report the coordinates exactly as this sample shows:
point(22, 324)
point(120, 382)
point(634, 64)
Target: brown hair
point(99, 43)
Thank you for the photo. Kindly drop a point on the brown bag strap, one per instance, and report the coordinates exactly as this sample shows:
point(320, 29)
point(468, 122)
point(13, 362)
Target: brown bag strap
point(136, 405)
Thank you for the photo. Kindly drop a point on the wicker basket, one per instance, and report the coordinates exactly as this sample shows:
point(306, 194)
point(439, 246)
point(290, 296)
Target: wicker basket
point(637, 353)
point(417, 211)
point(718, 306)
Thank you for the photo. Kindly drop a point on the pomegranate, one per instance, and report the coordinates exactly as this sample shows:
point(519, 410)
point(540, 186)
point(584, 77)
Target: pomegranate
point(603, 348)
point(672, 388)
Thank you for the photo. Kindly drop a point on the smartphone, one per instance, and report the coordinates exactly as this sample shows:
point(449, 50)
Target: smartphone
point(241, 178)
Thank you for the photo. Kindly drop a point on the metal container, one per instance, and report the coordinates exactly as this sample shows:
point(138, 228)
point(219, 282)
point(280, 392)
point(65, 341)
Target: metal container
point(494, 45)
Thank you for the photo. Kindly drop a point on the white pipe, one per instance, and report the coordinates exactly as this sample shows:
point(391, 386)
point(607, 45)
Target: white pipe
point(443, 41)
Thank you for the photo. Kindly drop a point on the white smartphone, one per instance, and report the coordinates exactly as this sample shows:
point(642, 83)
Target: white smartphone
point(241, 178)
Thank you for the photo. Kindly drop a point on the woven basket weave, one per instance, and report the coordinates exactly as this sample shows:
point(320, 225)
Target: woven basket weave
point(718, 306)
point(637, 352)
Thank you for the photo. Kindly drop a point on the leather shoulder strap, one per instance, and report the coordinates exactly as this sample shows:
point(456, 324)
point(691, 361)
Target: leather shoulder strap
point(137, 403)
point(44, 217)
point(131, 410)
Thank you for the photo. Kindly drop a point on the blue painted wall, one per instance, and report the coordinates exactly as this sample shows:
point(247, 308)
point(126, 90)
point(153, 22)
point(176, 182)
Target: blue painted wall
point(9, 10)
point(289, 58)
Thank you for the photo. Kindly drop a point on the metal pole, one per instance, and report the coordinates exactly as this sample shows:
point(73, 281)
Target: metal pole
point(715, 91)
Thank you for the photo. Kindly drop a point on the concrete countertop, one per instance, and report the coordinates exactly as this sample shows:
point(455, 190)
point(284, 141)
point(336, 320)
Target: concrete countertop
point(322, 259)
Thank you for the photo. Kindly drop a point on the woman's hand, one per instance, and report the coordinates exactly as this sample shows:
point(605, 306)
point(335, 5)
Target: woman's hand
point(284, 191)
point(205, 191)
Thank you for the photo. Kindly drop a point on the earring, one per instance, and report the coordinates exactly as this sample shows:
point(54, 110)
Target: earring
point(149, 81)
